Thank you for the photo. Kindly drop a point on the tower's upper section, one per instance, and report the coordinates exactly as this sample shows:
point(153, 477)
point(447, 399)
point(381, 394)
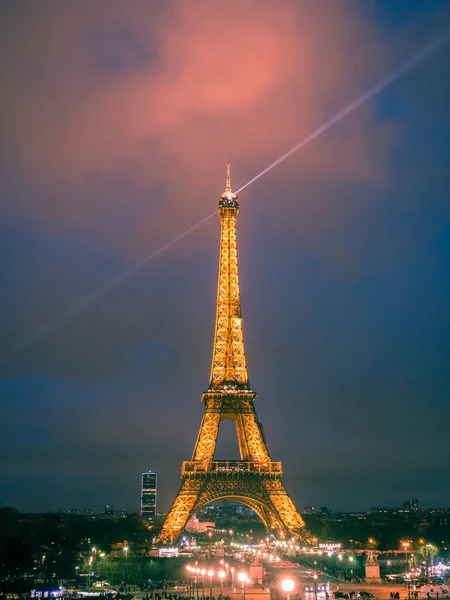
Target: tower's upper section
point(228, 370)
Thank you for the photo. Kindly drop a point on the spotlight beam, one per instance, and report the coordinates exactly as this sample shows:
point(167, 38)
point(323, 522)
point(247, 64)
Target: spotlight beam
point(355, 104)
point(48, 327)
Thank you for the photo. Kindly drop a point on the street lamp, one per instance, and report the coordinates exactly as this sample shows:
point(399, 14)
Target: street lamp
point(125, 549)
point(210, 575)
point(101, 569)
point(405, 547)
point(189, 570)
point(197, 573)
point(408, 581)
point(242, 577)
point(202, 573)
point(221, 574)
point(288, 585)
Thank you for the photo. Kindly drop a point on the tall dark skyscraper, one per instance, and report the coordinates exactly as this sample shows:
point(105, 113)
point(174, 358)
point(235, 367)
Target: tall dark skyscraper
point(148, 494)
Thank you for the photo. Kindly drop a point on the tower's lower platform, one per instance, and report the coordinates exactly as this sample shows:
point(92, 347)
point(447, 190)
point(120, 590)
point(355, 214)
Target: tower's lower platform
point(257, 485)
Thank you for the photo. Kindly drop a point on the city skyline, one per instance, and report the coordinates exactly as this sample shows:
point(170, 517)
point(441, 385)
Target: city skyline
point(137, 506)
point(116, 125)
point(110, 508)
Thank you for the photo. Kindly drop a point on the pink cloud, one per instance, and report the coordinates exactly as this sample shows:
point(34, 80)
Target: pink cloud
point(242, 81)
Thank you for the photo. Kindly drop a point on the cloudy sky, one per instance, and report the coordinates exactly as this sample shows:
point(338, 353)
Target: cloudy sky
point(117, 119)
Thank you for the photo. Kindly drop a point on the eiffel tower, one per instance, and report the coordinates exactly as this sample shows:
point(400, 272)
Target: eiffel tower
point(254, 480)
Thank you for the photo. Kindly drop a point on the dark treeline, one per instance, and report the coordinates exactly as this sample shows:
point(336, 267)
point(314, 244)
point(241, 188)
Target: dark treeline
point(71, 530)
point(386, 529)
point(42, 550)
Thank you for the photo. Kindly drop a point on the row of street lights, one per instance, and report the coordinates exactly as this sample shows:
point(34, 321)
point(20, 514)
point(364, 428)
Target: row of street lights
point(287, 585)
point(196, 572)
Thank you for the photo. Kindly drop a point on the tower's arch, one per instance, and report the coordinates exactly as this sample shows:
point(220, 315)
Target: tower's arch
point(266, 513)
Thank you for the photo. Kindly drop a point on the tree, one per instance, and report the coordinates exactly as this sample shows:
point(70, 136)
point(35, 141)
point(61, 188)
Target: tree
point(426, 554)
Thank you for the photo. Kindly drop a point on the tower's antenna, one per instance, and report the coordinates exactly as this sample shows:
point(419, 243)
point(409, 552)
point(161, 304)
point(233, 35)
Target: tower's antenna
point(228, 195)
point(228, 181)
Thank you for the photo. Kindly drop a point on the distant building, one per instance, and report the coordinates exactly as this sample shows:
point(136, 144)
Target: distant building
point(194, 525)
point(148, 494)
point(412, 504)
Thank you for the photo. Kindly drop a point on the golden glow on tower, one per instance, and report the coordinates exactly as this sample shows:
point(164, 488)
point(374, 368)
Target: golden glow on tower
point(253, 480)
point(228, 367)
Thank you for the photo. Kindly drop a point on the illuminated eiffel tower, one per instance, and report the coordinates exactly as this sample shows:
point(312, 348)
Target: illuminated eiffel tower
point(253, 480)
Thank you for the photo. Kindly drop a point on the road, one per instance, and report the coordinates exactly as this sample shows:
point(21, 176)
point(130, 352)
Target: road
point(302, 580)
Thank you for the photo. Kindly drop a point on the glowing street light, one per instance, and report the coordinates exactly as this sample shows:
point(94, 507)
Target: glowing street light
point(190, 570)
point(288, 585)
point(405, 547)
point(102, 565)
point(125, 549)
point(221, 575)
point(242, 577)
point(197, 573)
point(210, 575)
point(202, 573)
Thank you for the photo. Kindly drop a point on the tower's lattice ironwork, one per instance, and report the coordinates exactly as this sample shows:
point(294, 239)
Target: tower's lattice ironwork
point(253, 480)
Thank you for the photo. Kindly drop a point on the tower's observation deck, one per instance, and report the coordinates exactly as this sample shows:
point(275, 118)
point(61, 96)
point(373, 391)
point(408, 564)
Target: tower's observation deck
point(233, 468)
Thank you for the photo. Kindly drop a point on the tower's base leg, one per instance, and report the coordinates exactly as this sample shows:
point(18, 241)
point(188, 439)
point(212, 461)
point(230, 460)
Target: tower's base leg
point(181, 510)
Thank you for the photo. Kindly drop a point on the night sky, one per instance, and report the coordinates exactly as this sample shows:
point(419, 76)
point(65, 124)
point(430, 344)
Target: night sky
point(117, 119)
